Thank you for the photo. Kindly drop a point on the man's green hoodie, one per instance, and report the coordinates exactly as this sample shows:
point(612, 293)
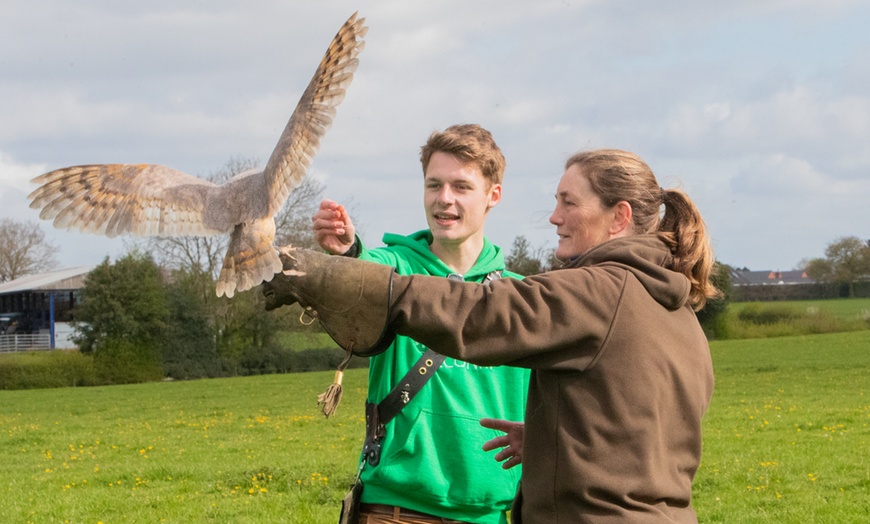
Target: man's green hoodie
point(432, 459)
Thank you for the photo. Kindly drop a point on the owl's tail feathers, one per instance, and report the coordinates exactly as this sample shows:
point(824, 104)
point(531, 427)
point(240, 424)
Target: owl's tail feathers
point(244, 269)
point(241, 273)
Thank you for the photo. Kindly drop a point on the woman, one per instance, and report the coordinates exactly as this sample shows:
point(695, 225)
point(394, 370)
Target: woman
point(621, 370)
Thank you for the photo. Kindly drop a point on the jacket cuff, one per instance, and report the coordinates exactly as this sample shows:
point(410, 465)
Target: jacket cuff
point(355, 248)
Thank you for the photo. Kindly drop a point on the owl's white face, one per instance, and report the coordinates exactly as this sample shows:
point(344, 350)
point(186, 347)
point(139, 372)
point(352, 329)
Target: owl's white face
point(457, 198)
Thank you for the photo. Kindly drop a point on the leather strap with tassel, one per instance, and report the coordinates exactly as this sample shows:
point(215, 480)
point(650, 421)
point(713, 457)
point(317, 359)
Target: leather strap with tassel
point(328, 400)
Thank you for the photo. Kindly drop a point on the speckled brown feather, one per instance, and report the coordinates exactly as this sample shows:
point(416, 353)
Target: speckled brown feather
point(314, 113)
point(153, 200)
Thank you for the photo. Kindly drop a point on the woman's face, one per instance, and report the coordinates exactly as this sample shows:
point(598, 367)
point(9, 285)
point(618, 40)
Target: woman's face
point(582, 221)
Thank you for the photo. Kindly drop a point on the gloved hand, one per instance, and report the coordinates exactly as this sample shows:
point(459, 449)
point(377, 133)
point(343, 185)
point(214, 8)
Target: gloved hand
point(350, 298)
point(283, 289)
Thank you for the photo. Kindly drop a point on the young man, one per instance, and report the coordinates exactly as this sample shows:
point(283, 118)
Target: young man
point(431, 466)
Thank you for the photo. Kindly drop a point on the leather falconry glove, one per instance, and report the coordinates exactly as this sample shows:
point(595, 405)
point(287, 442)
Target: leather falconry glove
point(350, 298)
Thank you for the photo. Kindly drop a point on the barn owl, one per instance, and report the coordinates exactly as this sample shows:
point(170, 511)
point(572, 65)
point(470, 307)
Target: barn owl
point(153, 200)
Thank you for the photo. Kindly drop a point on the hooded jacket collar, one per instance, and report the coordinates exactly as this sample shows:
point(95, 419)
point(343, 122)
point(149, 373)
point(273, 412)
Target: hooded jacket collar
point(648, 259)
point(490, 259)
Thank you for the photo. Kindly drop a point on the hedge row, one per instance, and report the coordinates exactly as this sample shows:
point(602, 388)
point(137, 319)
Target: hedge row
point(56, 369)
point(772, 292)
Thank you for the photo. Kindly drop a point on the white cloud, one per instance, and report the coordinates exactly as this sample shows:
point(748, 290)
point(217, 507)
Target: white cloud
point(782, 177)
point(831, 131)
point(15, 176)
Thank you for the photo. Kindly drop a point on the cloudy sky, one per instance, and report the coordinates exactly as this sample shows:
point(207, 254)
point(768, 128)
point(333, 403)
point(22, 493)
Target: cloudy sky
point(759, 109)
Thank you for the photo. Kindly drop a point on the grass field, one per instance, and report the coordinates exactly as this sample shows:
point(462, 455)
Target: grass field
point(843, 308)
point(744, 320)
point(240, 450)
point(305, 339)
point(785, 440)
point(787, 434)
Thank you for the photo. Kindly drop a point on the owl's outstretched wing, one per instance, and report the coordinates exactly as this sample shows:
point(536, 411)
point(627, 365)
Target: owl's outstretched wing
point(314, 113)
point(150, 199)
point(114, 199)
point(251, 257)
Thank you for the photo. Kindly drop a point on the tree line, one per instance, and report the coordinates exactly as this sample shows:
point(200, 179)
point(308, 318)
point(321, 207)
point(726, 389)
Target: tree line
point(846, 262)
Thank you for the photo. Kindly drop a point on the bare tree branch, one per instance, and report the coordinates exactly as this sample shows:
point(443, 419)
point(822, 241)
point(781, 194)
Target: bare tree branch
point(293, 223)
point(23, 250)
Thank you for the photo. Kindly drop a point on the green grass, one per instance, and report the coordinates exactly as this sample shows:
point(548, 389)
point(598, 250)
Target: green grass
point(226, 450)
point(842, 308)
point(742, 320)
point(305, 339)
point(785, 440)
point(787, 433)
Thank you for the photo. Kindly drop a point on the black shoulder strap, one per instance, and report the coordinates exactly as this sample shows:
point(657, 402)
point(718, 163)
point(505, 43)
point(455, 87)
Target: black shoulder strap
point(409, 386)
point(378, 415)
point(416, 377)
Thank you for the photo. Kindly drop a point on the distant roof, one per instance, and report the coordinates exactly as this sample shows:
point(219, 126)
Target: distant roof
point(741, 277)
point(72, 278)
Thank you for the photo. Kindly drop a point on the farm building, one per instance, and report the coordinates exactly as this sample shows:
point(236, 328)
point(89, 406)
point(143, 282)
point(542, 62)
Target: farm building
point(745, 277)
point(36, 310)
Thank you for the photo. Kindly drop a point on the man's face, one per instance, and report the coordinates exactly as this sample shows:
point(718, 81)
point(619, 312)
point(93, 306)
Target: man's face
point(457, 198)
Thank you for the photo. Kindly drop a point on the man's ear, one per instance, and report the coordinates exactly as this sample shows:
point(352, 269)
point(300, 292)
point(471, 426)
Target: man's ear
point(621, 224)
point(494, 196)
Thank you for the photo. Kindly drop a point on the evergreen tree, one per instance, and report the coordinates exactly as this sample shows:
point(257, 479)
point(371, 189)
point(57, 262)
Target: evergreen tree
point(122, 319)
point(189, 345)
point(713, 309)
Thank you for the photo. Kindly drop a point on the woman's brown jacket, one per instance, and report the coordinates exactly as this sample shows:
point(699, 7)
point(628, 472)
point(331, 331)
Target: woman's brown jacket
point(621, 377)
